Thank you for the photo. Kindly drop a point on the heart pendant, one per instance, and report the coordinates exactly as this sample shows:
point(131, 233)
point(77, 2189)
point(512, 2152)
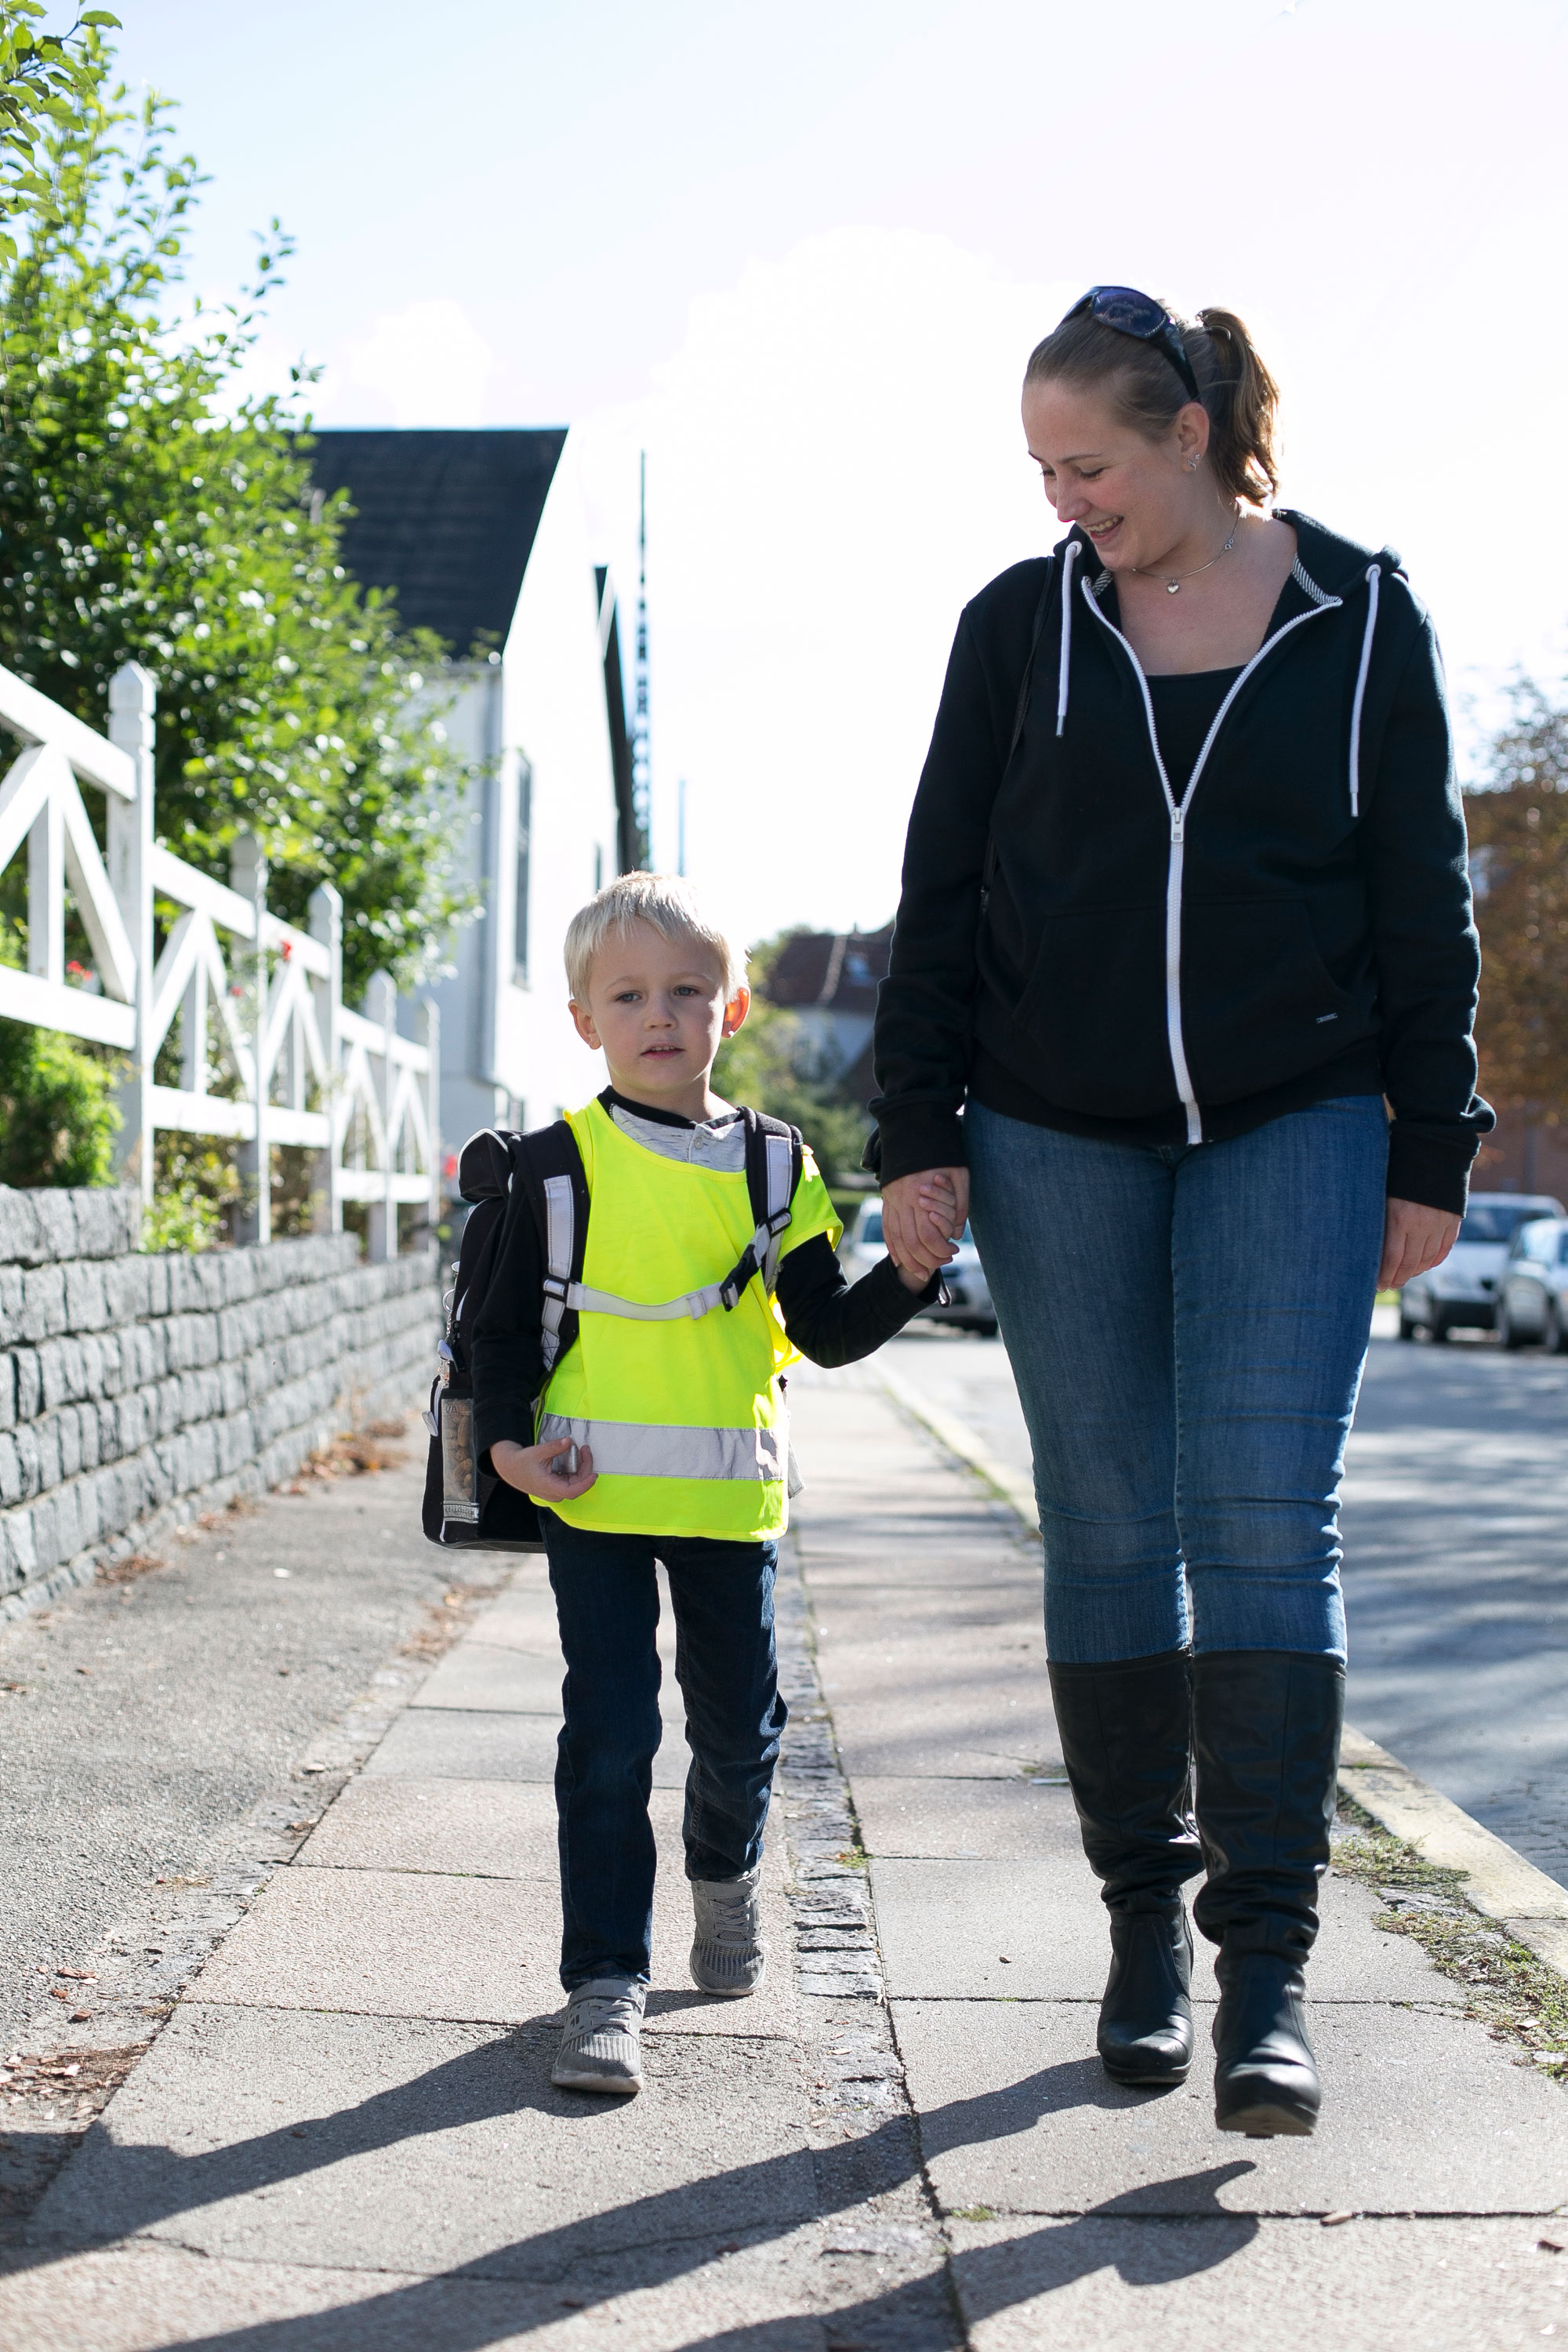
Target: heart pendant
point(1172, 587)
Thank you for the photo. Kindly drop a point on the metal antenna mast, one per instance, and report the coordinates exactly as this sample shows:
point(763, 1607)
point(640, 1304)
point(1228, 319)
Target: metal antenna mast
point(642, 770)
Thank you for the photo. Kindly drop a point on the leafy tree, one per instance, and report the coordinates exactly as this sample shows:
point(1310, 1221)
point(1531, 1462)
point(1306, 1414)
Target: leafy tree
point(42, 75)
point(152, 509)
point(1518, 841)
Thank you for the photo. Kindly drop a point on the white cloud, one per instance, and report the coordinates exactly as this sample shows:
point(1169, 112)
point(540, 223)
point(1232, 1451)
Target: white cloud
point(426, 364)
point(834, 465)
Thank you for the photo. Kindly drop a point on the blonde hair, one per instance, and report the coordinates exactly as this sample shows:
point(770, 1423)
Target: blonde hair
point(1240, 396)
point(667, 904)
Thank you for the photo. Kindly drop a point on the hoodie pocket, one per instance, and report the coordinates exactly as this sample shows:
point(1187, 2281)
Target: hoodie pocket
point(1088, 1031)
point(1258, 1006)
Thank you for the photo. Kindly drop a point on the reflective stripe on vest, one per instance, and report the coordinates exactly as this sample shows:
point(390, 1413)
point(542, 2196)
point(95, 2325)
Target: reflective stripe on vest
point(634, 1449)
point(683, 1412)
point(762, 1256)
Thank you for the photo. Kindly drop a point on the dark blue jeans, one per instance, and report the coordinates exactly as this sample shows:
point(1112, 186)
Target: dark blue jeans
point(1187, 1325)
point(606, 1603)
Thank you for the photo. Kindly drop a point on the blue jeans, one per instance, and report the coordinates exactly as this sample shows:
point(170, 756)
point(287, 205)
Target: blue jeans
point(1187, 1325)
point(606, 1603)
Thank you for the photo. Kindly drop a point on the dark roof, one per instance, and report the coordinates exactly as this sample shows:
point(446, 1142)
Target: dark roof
point(838, 968)
point(445, 520)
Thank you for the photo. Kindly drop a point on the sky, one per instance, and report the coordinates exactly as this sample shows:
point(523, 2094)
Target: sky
point(800, 258)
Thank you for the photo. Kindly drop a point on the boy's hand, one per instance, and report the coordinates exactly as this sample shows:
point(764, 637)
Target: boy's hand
point(532, 1469)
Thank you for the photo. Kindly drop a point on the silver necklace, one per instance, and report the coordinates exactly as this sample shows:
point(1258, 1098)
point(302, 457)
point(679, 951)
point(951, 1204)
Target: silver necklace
point(1175, 579)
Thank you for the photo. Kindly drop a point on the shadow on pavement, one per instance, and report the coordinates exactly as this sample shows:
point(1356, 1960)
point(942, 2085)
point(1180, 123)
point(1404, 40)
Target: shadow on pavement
point(658, 2236)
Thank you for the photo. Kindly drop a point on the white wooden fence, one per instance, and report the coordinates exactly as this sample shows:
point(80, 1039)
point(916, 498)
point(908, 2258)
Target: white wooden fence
point(258, 1003)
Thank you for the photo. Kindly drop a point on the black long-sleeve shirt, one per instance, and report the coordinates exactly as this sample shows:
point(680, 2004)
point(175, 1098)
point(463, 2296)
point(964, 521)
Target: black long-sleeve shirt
point(829, 1320)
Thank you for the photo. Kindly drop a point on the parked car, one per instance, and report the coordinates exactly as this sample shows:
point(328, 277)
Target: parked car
point(968, 1293)
point(1532, 1296)
point(1463, 1290)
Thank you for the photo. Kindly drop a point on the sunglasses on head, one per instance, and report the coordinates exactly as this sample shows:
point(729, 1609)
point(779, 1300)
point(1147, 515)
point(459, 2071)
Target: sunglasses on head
point(1128, 312)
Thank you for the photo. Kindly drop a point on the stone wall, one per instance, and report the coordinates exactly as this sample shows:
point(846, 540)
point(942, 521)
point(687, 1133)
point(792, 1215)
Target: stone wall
point(137, 1390)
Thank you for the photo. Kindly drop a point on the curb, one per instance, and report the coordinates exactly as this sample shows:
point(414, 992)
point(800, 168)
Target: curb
point(1498, 1883)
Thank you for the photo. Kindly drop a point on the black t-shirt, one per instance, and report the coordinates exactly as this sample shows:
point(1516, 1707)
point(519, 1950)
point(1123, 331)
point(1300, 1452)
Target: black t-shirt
point(1186, 703)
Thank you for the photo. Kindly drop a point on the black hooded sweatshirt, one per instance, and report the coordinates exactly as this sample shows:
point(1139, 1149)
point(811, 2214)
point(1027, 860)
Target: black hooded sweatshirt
point(1088, 942)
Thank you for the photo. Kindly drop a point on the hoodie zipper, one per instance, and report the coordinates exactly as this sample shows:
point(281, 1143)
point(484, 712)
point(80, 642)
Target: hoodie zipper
point(1177, 811)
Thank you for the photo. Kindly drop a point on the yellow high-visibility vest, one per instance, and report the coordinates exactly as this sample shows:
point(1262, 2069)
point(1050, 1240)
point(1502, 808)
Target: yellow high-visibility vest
point(686, 1418)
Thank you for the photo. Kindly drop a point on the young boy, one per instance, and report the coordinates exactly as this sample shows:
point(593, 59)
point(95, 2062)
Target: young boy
point(662, 1440)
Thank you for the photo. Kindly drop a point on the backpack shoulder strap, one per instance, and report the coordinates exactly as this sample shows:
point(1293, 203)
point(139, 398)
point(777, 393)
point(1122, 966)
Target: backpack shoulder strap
point(775, 1161)
point(547, 1167)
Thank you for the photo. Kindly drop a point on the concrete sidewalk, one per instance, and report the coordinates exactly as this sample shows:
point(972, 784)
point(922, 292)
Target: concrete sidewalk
point(345, 2135)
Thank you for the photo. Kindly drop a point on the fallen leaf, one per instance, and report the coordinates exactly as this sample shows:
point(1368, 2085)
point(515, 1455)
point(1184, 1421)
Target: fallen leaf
point(81, 2017)
point(83, 1976)
point(84, 1670)
point(1333, 2220)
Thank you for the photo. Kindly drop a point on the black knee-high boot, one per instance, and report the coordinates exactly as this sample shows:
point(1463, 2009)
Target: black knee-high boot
point(1265, 1736)
point(1125, 1739)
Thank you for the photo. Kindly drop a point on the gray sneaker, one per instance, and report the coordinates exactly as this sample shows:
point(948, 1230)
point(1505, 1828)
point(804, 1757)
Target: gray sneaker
point(601, 2046)
point(728, 1956)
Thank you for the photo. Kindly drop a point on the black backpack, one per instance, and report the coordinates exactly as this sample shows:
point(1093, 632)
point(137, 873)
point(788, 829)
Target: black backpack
point(469, 1507)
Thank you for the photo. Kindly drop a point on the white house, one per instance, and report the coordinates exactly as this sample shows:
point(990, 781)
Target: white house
point(480, 536)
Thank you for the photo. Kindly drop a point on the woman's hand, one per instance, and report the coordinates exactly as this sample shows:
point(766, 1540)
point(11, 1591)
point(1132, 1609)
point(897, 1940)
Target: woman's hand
point(1414, 1238)
point(923, 1217)
point(532, 1469)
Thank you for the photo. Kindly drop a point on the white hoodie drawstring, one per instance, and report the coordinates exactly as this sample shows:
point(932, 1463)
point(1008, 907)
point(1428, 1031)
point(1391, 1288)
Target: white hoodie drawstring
point(1374, 575)
point(1069, 554)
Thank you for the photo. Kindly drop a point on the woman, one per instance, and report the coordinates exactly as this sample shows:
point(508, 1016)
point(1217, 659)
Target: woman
point(1185, 900)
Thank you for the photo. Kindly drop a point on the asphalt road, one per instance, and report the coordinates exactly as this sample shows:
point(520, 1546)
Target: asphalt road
point(139, 1721)
point(1455, 1523)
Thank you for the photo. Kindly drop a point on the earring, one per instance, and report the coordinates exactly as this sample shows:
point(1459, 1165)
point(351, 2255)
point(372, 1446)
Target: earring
point(1192, 465)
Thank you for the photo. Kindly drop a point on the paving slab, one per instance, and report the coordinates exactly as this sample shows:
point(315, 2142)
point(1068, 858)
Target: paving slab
point(1422, 2112)
point(481, 1829)
point(490, 1678)
point(478, 1744)
point(153, 2298)
point(934, 1578)
point(1103, 2283)
point(917, 1819)
point(412, 2145)
point(1033, 1928)
point(484, 1829)
point(883, 1738)
point(395, 1943)
point(999, 1662)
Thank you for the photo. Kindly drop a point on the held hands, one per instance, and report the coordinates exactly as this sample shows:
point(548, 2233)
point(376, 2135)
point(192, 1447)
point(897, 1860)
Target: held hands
point(532, 1469)
point(923, 1218)
point(1414, 1239)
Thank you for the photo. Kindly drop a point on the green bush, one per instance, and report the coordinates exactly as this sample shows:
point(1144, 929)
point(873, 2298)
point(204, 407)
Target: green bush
point(770, 1065)
point(57, 1116)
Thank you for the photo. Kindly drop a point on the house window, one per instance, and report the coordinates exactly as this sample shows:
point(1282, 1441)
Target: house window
point(524, 855)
